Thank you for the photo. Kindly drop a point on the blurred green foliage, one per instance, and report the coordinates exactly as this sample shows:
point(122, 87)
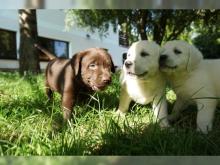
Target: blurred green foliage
point(157, 25)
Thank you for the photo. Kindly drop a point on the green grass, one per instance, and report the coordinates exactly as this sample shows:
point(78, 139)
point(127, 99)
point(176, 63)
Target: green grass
point(30, 125)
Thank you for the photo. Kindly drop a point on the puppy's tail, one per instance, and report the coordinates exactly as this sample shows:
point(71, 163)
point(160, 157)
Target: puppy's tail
point(47, 53)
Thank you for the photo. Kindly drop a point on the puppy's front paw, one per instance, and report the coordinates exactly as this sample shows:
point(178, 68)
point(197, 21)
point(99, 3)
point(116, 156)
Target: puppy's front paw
point(67, 113)
point(173, 117)
point(203, 131)
point(204, 127)
point(120, 113)
point(164, 124)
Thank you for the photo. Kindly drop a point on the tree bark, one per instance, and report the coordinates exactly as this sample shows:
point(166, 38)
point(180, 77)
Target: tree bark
point(37, 4)
point(28, 55)
point(160, 27)
point(142, 23)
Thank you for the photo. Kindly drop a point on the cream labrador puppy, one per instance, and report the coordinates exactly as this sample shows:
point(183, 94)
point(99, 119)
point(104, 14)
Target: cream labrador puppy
point(141, 80)
point(193, 79)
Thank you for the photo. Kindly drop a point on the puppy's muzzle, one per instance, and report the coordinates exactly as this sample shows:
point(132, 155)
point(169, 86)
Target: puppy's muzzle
point(163, 57)
point(106, 80)
point(128, 64)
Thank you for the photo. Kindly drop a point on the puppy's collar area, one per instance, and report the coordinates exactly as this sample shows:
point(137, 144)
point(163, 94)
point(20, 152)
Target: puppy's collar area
point(138, 75)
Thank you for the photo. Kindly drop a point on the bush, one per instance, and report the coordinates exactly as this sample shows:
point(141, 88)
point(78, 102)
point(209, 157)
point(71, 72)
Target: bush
point(209, 45)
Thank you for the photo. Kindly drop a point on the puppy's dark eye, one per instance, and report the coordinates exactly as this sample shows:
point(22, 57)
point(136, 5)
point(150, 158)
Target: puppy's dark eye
point(177, 51)
point(92, 66)
point(144, 54)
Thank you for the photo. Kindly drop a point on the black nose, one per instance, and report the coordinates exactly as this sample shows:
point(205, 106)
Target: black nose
point(106, 80)
point(163, 57)
point(128, 64)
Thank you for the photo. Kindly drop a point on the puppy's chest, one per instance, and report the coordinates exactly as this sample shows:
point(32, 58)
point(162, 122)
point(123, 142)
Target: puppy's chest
point(142, 93)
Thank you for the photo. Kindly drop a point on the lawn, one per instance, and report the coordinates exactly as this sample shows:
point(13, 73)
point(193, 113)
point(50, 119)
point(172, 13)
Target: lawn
point(30, 125)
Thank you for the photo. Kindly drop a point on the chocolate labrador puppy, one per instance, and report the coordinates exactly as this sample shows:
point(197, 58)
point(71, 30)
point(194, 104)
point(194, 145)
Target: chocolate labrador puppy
point(87, 71)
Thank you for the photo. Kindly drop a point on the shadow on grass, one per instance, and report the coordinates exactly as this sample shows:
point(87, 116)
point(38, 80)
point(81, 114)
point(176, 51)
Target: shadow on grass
point(180, 139)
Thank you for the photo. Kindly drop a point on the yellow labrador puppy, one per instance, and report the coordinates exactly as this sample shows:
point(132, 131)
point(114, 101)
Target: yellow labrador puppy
point(193, 79)
point(141, 80)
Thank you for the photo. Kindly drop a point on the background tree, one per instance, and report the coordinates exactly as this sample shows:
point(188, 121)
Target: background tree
point(37, 4)
point(208, 44)
point(200, 27)
point(152, 4)
point(158, 25)
point(208, 38)
point(28, 55)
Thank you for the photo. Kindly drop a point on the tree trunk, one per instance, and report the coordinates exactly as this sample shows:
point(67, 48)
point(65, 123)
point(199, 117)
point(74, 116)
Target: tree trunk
point(28, 55)
point(160, 26)
point(37, 4)
point(142, 21)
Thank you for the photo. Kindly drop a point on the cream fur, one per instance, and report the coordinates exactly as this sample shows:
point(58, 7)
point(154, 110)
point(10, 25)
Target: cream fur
point(194, 80)
point(148, 88)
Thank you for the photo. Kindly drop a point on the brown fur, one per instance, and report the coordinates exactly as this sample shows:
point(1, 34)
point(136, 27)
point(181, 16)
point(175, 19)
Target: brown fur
point(87, 71)
point(49, 56)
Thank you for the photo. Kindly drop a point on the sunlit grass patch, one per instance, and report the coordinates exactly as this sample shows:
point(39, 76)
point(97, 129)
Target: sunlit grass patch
point(30, 125)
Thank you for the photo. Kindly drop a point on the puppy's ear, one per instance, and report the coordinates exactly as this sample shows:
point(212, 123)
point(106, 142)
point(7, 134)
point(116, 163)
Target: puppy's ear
point(112, 65)
point(76, 62)
point(195, 57)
